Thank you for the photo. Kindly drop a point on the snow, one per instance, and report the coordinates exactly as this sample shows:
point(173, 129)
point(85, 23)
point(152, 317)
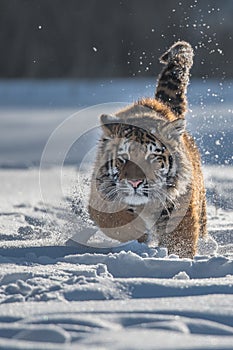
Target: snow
point(118, 297)
point(56, 292)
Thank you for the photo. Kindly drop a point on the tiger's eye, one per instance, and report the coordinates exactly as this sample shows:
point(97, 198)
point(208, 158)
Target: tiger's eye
point(151, 156)
point(123, 157)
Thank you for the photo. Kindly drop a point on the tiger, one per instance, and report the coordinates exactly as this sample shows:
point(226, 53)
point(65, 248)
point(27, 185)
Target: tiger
point(147, 183)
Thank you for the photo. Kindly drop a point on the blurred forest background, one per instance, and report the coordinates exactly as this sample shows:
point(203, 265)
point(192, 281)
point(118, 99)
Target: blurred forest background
point(111, 38)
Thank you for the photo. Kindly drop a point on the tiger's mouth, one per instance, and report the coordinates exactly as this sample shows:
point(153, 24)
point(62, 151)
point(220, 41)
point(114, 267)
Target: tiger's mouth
point(136, 199)
point(134, 191)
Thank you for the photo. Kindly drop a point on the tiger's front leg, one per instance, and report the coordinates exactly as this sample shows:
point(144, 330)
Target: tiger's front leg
point(124, 225)
point(150, 216)
point(182, 240)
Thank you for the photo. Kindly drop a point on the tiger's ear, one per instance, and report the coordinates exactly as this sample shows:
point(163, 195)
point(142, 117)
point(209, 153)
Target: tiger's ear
point(174, 130)
point(110, 124)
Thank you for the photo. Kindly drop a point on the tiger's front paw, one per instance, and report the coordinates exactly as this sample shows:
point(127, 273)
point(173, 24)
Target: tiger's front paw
point(143, 238)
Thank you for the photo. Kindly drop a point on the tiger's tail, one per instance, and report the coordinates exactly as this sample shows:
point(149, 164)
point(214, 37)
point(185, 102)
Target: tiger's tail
point(173, 80)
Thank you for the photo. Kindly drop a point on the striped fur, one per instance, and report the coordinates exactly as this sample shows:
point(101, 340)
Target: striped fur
point(147, 182)
point(174, 78)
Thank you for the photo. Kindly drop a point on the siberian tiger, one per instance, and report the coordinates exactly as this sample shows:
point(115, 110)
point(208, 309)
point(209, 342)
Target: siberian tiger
point(147, 182)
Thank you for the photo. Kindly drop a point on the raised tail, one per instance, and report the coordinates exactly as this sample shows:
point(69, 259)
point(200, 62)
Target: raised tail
point(174, 78)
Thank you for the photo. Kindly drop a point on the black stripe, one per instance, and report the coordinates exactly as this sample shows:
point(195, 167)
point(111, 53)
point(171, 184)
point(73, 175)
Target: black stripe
point(173, 74)
point(151, 138)
point(161, 157)
point(178, 109)
point(170, 160)
point(168, 211)
point(110, 164)
point(129, 133)
point(169, 85)
point(162, 95)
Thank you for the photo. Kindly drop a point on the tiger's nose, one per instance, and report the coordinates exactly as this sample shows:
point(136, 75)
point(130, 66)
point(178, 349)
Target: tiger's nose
point(135, 183)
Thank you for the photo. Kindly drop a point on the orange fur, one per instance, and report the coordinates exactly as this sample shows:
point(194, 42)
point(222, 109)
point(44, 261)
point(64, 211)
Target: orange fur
point(179, 221)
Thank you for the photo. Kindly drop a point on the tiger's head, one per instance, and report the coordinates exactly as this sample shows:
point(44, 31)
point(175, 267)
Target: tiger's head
point(138, 158)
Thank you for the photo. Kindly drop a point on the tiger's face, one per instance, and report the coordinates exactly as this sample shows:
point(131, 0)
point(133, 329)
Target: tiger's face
point(136, 167)
point(138, 170)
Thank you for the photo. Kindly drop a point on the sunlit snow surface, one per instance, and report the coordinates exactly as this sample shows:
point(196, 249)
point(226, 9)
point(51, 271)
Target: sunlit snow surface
point(59, 296)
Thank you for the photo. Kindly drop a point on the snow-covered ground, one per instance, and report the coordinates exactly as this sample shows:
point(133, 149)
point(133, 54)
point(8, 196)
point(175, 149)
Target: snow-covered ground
point(58, 294)
point(54, 296)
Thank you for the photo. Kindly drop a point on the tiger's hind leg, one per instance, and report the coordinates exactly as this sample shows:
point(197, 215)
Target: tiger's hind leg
point(203, 218)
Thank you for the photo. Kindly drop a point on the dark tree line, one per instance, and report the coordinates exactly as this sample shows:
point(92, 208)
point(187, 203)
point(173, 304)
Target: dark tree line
point(107, 38)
